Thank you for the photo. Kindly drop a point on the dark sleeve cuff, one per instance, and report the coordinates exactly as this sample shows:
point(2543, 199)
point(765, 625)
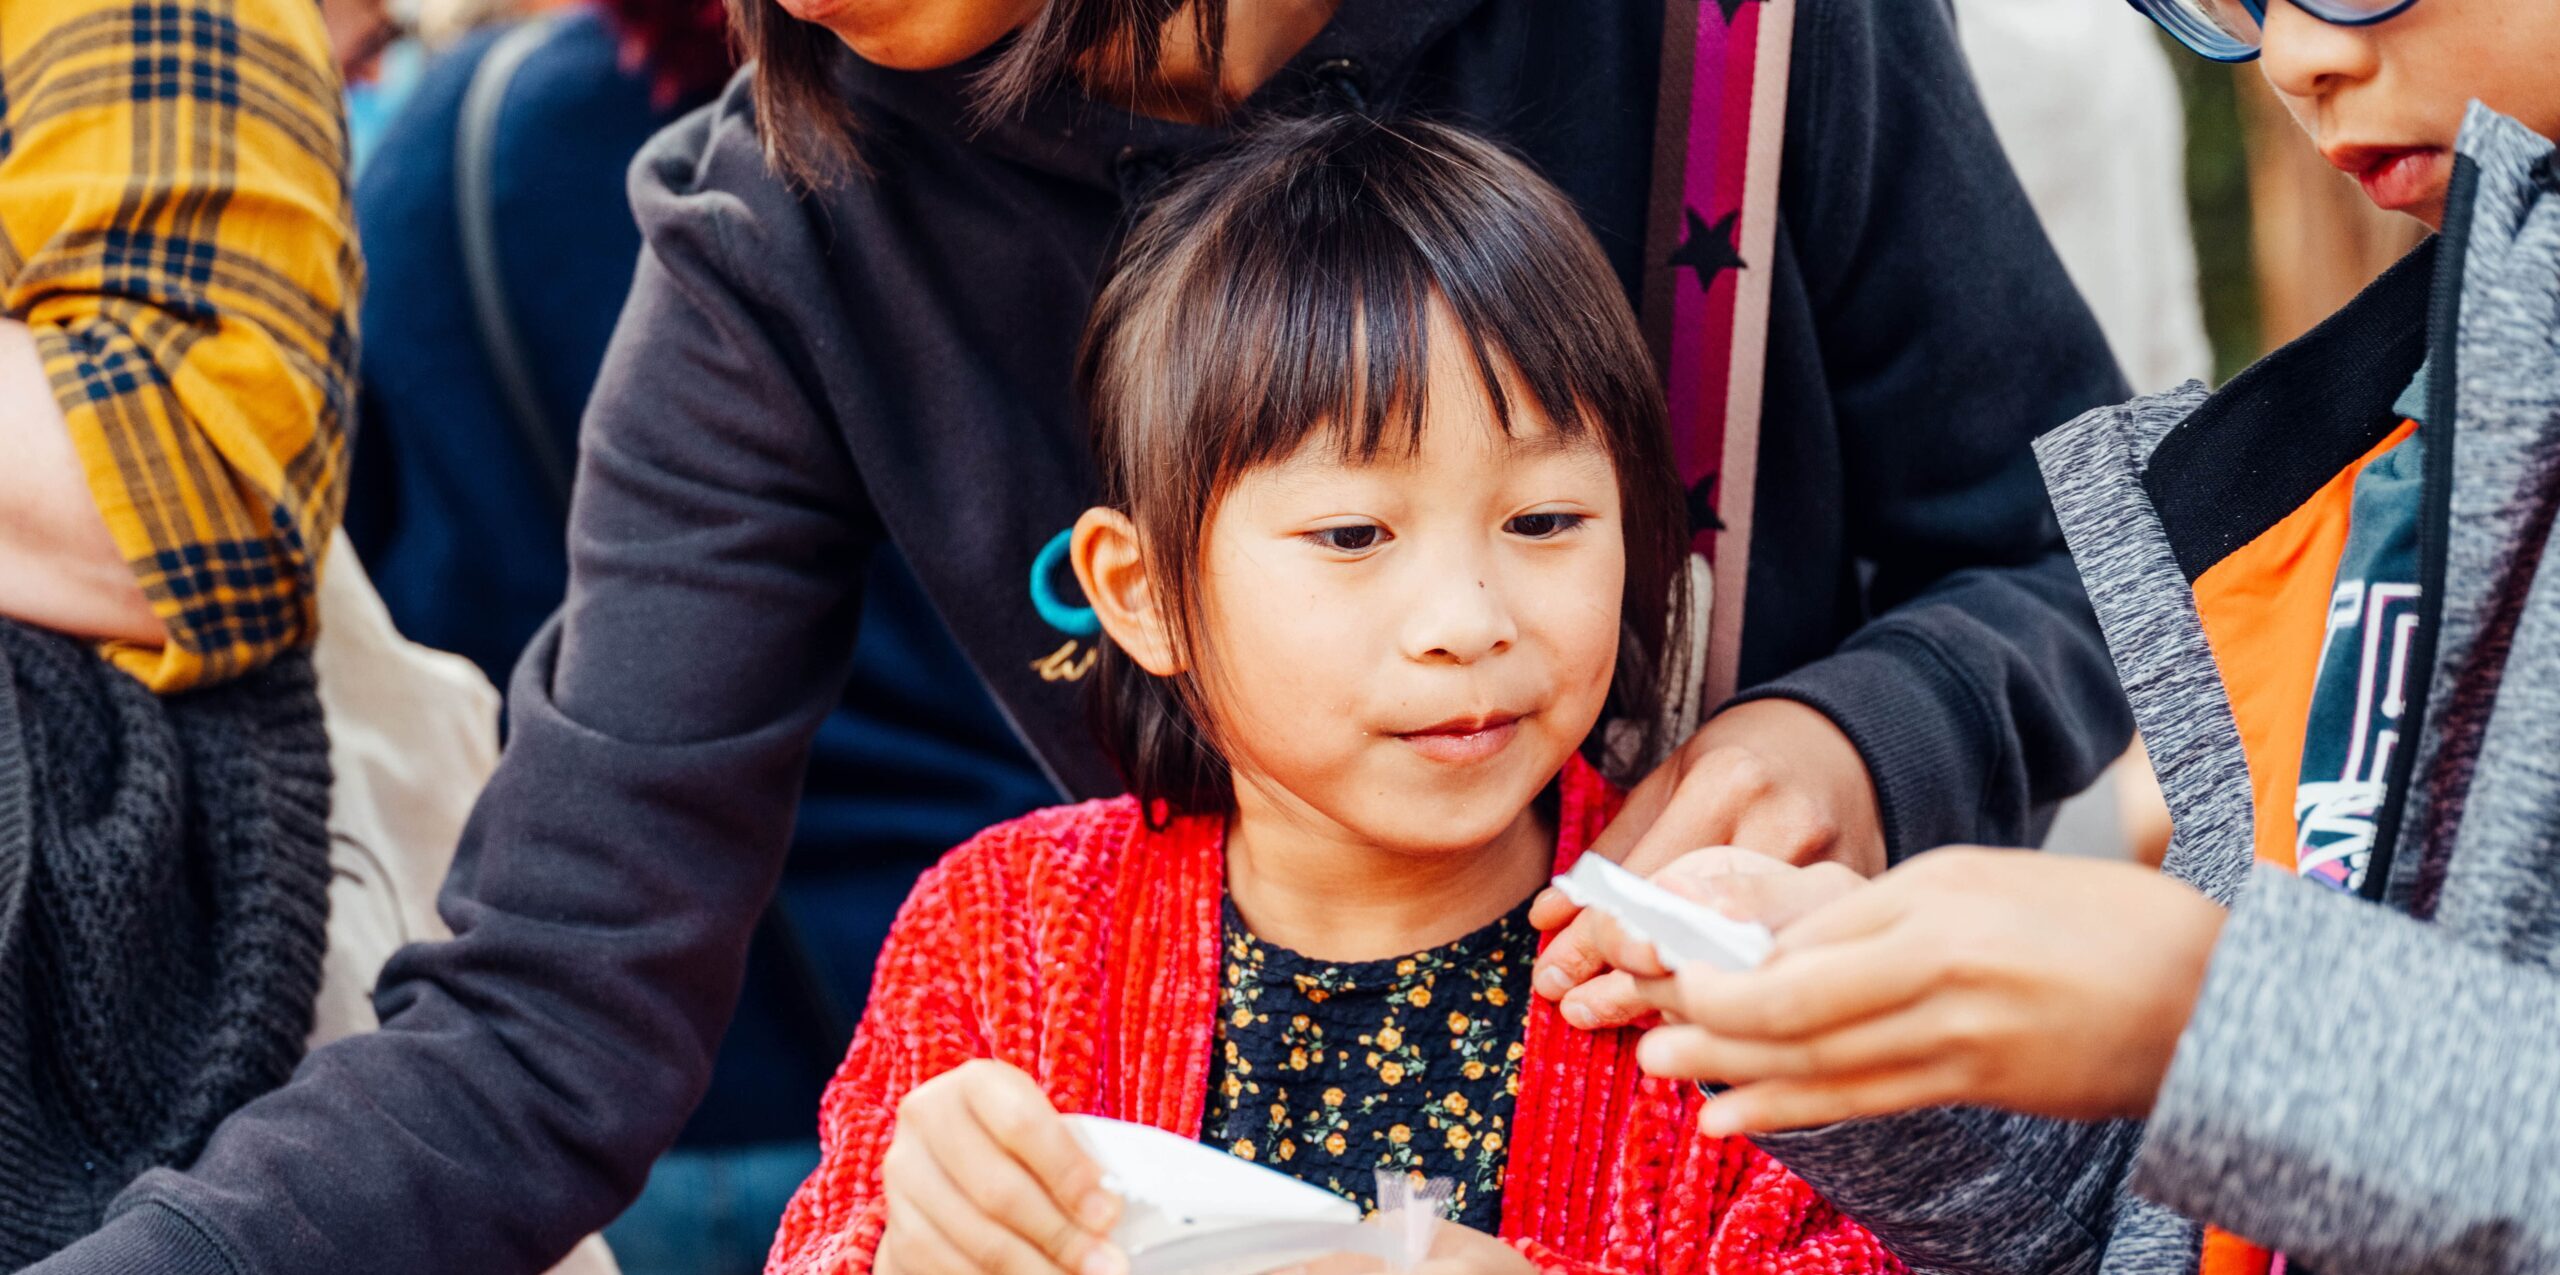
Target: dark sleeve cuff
point(1920, 728)
point(149, 1236)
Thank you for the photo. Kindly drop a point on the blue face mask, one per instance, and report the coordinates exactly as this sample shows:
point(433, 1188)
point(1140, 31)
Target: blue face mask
point(2234, 30)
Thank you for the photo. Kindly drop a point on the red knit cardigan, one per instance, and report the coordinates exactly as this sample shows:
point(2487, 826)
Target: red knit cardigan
point(1082, 947)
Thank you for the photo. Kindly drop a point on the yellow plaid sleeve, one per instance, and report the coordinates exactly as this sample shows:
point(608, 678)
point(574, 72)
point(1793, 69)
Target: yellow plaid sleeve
point(175, 228)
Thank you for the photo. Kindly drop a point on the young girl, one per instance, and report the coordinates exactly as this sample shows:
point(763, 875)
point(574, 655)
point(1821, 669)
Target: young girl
point(1390, 532)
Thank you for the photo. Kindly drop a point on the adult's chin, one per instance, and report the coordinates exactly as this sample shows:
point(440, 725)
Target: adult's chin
point(914, 35)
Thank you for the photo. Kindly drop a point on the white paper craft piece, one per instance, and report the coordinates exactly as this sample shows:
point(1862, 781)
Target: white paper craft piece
point(1190, 1209)
point(1681, 931)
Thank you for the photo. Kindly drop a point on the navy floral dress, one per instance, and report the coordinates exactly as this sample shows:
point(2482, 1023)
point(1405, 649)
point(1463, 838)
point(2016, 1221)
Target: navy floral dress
point(1331, 1072)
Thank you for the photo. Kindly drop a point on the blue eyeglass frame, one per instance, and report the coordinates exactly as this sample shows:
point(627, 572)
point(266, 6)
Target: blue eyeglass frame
point(2210, 41)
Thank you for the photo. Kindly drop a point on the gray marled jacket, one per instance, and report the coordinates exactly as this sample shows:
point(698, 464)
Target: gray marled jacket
point(2368, 1085)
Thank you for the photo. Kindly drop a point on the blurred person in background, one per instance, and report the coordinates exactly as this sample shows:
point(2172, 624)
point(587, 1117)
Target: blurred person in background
point(2087, 107)
point(484, 341)
point(359, 33)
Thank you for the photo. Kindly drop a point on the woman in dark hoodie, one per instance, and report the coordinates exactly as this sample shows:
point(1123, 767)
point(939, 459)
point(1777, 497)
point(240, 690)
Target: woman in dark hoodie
point(852, 327)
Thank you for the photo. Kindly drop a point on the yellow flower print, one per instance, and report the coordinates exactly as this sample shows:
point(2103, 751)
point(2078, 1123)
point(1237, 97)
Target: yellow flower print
point(1298, 1023)
point(1333, 1097)
point(1333, 1143)
point(1404, 968)
point(1474, 1070)
point(1513, 1054)
point(1459, 1138)
point(1297, 1059)
point(1511, 1084)
point(1399, 1134)
point(1391, 1072)
point(1234, 1088)
point(1419, 998)
point(1457, 1104)
point(1242, 1017)
point(1496, 997)
point(1492, 1142)
point(1390, 1038)
point(1457, 1023)
point(1243, 1148)
point(1287, 1151)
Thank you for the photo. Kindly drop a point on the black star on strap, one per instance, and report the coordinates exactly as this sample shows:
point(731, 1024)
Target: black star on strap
point(1702, 506)
point(1708, 249)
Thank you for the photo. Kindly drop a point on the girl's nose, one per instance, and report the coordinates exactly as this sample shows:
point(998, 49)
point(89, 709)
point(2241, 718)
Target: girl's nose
point(2304, 57)
point(1459, 618)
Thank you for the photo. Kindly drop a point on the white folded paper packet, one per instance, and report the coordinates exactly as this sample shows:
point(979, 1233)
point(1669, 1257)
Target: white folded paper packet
point(1190, 1209)
point(1681, 931)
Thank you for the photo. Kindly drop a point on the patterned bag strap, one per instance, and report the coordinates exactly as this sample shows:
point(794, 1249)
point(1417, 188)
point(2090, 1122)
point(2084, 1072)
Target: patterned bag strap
point(1713, 224)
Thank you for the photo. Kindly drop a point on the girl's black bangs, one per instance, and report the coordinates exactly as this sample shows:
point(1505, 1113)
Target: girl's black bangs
point(1321, 324)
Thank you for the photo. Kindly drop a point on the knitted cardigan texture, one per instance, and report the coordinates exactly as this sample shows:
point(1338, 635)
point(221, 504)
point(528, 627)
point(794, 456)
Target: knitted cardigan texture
point(164, 878)
point(1083, 947)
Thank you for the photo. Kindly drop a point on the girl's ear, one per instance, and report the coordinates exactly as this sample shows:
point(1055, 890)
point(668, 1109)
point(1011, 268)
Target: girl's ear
point(1122, 593)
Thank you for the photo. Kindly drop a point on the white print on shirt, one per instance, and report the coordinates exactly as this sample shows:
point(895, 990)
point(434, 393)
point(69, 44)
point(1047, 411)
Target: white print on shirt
point(2334, 819)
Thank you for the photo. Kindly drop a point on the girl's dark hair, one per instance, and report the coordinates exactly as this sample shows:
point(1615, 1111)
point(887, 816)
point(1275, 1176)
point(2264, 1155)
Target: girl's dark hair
point(812, 135)
point(1282, 290)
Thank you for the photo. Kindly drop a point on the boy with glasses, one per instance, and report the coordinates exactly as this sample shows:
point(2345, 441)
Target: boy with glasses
point(2329, 1035)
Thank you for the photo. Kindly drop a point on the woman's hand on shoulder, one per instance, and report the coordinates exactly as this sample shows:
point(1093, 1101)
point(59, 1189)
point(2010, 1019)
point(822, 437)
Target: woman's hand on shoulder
point(1771, 776)
point(983, 1175)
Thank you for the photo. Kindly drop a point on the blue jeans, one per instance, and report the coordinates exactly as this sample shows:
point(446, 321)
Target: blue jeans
point(711, 1210)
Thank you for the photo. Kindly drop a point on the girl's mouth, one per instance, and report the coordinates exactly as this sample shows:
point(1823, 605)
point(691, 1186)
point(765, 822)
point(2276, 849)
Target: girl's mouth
point(2397, 178)
point(1465, 739)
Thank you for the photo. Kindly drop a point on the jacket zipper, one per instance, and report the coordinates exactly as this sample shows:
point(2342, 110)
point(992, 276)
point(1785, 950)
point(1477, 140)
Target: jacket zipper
point(2435, 518)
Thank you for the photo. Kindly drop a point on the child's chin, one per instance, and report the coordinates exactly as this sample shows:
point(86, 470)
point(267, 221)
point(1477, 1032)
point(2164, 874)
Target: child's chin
point(1444, 822)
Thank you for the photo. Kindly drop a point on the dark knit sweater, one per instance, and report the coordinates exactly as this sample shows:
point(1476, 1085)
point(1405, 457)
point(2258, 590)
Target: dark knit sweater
point(164, 876)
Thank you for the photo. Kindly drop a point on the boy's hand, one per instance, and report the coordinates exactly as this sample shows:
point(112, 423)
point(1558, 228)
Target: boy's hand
point(2008, 979)
point(982, 1175)
point(1770, 776)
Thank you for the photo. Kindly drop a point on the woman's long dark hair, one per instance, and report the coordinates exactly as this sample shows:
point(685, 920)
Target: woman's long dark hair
point(1282, 292)
point(812, 135)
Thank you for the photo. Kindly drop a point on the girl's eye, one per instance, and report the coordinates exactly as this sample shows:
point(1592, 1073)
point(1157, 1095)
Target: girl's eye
point(1543, 526)
point(1356, 538)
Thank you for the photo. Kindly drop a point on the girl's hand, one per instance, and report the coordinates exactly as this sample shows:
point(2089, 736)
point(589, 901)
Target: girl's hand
point(1770, 776)
point(982, 1175)
point(2010, 979)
